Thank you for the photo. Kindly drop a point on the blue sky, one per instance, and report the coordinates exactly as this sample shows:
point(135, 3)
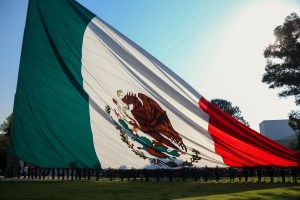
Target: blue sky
point(215, 45)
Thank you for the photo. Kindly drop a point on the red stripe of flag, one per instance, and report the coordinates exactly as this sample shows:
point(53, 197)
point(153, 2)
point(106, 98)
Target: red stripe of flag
point(239, 145)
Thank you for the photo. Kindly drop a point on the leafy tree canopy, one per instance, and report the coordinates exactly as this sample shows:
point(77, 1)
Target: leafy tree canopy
point(5, 129)
point(283, 59)
point(227, 107)
point(294, 122)
point(6, 126)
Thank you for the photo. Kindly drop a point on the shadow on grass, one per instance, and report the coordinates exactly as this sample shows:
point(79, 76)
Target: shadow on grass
point(151, 190)
point(282, 195)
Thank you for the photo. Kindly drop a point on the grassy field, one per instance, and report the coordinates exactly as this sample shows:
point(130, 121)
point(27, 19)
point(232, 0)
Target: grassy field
point(152, 190)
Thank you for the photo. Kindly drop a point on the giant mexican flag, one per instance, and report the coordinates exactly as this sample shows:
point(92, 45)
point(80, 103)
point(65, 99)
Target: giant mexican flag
point(89, 97)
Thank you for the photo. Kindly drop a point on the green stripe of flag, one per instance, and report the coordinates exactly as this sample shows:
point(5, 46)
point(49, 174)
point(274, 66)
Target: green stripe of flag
point(51, 111)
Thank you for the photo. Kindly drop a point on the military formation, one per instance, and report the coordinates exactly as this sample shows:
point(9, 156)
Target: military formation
point(205, 174)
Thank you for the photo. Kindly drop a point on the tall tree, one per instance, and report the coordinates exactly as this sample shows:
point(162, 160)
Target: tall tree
point(5, 129)
point(283, 59)
point(283, 66)
point(6, 126)
point(227, 107)
point(3, 151)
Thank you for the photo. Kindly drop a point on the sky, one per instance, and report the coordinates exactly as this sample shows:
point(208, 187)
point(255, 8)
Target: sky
point(215, 45)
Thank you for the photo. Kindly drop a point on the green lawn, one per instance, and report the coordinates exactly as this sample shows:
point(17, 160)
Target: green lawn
point(152, 190)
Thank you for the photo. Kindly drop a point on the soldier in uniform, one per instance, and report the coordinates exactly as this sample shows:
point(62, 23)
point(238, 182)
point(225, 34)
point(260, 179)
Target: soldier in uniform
point(282, 174)
point(58, 173)
point(231, 174)
point(170, 175)
point(217, 174)
point(88, 172)
point(97, 174)
point(63, 174)
point(205, 174)
point(53, 173)
point(72, 174)
point(259, 174)
point(134, 174)
point(294, 174)
point(147, 175)
point(78, 172)
point(68, 173)
point(43, 172)
point(246, 174)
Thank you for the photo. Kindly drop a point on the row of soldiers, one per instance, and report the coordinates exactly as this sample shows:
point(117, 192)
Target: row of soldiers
point(203, 174)
point(32, 172)
point(285, 174)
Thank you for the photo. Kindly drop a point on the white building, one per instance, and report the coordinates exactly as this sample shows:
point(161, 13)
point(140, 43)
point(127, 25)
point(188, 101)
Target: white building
point(278, 130)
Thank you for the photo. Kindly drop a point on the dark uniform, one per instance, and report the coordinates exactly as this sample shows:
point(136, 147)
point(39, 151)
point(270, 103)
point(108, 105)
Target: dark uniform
point(271, 174)
point(217, 174)
point(246, 174)
point(231, 174)
point(282, 174)
point(259, 174)
point(294, 174)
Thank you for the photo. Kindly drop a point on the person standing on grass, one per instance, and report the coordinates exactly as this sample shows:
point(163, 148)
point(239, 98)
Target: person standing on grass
point(282, 174)
point(110, 174)
point(221, 173)
point(29, 172)
point(89, 173)
point(252, 174)
point(84, 173)
point(19, 171)
point(246, 174)
point(271, 174)
point(97, 174)
point(72, 174)
point(294, 174)
point(259, 174)
point(12, 169)
point(53, 173)
point(121, 172)
point(40, 172)
point(134, 174)
point(196, 174)
point(63, 173)
point(288, 173)
point(141, 173)
point(43, 173)
point(231, 174)
point(240, 175)
point(147, 175)
point(35, 172)
point(182, 171)
point(277, 173)
point(58, 173)
point(78, 172)
point(217, 174)
point(225, 174)
point(265, 174)
point(32, 172)
point(205, 174)
point(47, 172)
point(67, 172)
point(170, 175)
point(25, 171)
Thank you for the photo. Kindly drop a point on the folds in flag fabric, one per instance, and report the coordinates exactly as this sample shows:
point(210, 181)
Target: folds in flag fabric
point(89, 97)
